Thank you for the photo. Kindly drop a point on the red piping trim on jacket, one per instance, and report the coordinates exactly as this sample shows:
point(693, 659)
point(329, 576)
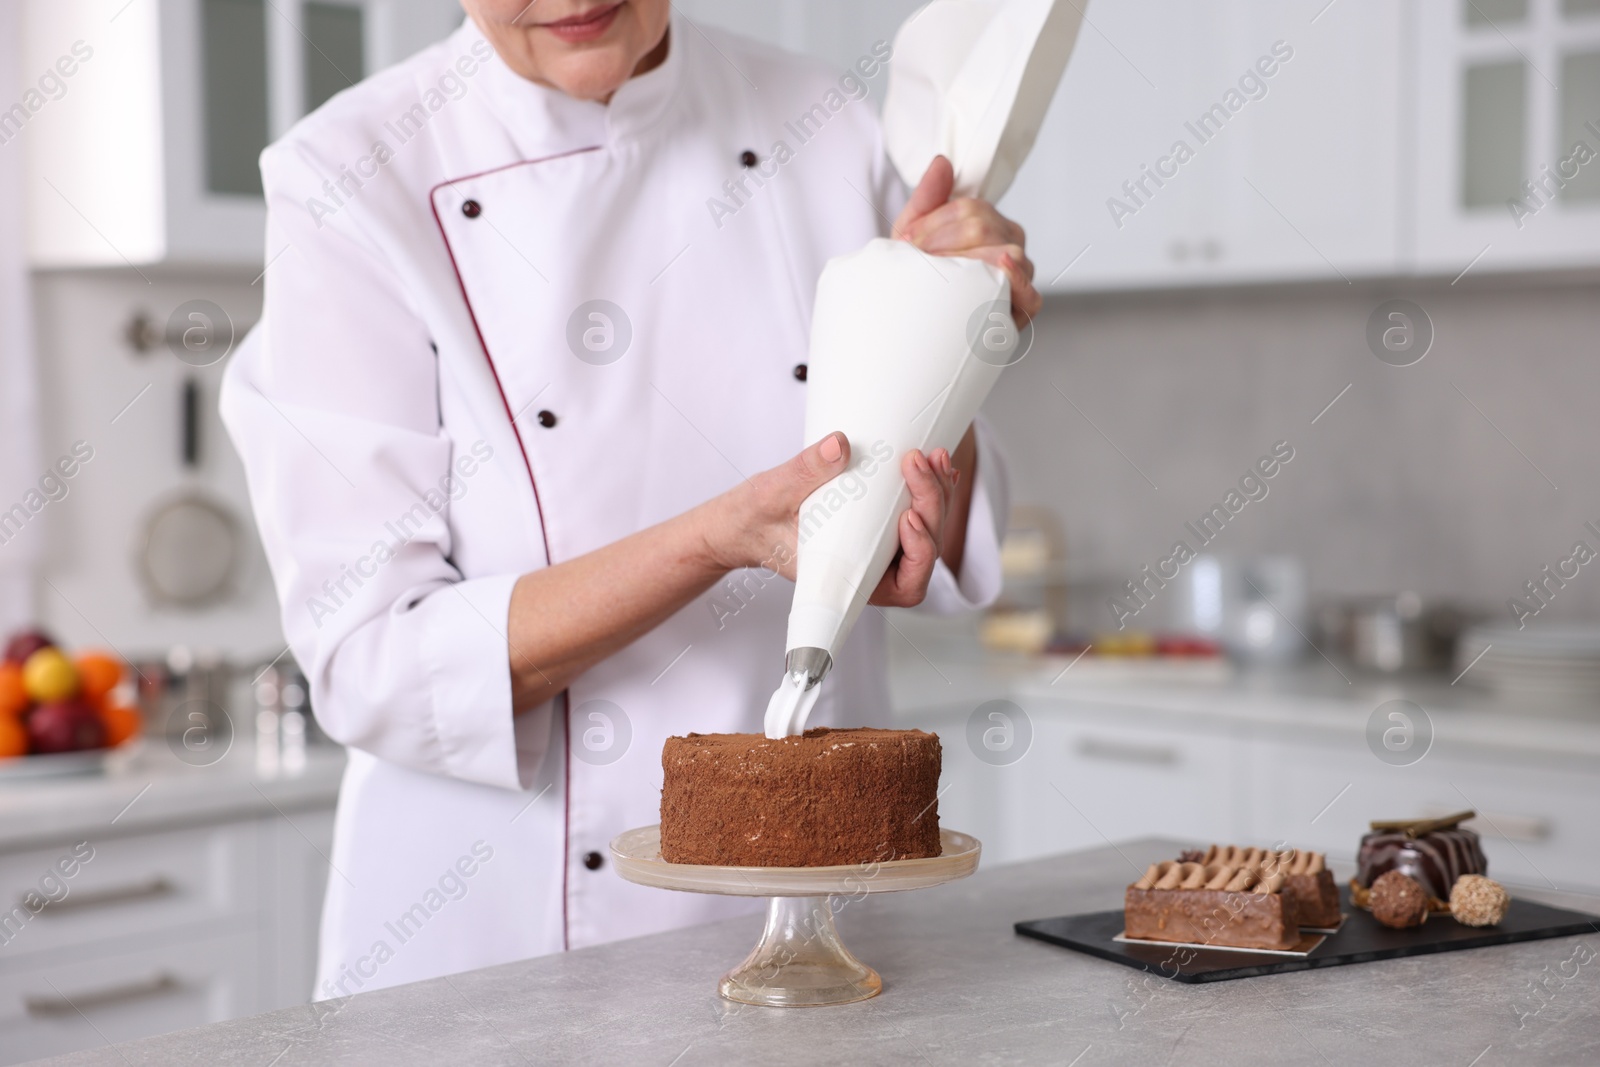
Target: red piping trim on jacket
point(566, 816)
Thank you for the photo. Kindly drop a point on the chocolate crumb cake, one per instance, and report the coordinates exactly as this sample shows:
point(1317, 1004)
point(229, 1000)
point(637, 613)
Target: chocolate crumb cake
point(825, 798)
point(1214, 904)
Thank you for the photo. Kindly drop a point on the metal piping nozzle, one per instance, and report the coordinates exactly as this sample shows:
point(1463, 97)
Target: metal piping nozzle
point(814, 663)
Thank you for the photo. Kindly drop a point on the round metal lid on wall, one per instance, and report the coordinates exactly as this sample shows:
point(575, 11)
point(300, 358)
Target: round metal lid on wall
point(189, 552)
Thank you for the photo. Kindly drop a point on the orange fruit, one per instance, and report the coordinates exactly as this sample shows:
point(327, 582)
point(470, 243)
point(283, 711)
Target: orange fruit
point(13, 737)
point(49, 675)
point(14, 699)
point(98, 673)
point(121, 722)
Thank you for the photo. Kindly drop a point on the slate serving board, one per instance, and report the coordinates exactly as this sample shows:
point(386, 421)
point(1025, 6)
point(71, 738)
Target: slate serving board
point(1361, 940)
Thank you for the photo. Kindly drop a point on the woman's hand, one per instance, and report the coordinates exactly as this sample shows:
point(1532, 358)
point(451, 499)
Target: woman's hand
point(757, 524)
point(968, 227)
point(567, 617)
point(932, 480)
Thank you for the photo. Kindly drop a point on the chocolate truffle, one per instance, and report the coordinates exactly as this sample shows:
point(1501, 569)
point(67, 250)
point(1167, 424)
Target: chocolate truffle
point(1478, 901)
point(1398, 900)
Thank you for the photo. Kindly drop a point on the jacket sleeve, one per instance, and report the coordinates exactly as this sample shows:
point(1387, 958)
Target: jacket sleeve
point(332, 403)
point(978, 584)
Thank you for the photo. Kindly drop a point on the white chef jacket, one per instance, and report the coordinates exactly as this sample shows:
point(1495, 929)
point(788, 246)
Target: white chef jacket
point(419, 430)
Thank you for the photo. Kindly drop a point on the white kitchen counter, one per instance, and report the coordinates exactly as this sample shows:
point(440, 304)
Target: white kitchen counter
point(1293, 758)
point(180, 895)
point(1306, 699)
point(155, 790)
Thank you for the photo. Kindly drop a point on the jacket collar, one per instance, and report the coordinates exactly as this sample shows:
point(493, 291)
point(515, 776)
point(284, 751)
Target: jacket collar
point(542, 121)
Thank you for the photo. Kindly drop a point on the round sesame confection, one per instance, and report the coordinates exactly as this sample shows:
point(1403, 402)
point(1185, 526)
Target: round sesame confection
point(1478, 901)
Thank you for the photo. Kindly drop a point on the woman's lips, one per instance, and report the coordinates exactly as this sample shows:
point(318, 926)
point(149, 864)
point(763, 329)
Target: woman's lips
point(585, 27)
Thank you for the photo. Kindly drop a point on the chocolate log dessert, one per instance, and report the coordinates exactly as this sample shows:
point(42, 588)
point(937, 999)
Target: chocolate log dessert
point(828, 797)
point(1306, 877)
point(1211, 904)
point(1434, 852)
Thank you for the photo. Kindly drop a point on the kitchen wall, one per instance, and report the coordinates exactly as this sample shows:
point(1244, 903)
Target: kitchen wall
point(1401, 484)
point(1459, 476)
point(126, 406)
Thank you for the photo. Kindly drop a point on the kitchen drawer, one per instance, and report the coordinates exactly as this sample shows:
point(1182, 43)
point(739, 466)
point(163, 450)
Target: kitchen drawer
point(298, 882)
point(58, 1008)
point(1091, 777)
point(127, 886)
point(1537, 823)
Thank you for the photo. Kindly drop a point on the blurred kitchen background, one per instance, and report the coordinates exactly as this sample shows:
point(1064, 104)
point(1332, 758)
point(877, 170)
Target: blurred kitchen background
point(1372, 271)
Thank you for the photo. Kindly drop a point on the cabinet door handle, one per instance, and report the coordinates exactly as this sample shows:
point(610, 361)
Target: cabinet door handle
point(148, 889)
point(57, 1004)
point(1127, 752)
point(1512, 827)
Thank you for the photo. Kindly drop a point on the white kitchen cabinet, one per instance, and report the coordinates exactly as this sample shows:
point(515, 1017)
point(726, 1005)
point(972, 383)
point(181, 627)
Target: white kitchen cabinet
point(1394, 141)
point(1534, 818)
point(300, 845)
point(124, 887)
point(1506, 90)
point(1097, 772)
point(158, 931)
point(66, 1006)
point(1135, 77)
point(1090, 775)
point(1249, 140)
point(1310, 187)
point(142, 140)
point(839, 32)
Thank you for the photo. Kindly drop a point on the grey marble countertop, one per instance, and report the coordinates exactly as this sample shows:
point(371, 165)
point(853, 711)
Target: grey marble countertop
point(156, 790)
point(960, 987)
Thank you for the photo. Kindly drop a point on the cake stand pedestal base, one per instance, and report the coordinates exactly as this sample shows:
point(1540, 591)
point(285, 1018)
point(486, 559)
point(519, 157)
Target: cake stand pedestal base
point(800, 961)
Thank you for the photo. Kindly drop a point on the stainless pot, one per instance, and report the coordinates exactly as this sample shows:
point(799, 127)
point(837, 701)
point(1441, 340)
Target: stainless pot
point(1390, 634)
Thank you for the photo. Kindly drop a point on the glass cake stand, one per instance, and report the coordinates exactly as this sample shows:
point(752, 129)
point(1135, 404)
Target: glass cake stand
point(799, 961)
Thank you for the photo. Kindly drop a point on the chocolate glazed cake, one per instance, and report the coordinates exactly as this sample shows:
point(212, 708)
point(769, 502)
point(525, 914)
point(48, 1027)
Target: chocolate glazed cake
point(828, 797)
point(1434, 852)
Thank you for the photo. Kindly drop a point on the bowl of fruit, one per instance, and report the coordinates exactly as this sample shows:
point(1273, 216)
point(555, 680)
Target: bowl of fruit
point(62, 713)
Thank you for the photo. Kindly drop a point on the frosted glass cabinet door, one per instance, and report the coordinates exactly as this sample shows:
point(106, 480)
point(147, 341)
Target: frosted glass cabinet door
point(214, 69)
point(233, 60)
point(333, 54)
point(1507, 135)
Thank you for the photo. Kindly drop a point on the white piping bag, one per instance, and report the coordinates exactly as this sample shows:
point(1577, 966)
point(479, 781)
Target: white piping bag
point(904, 346)
point(971, 80)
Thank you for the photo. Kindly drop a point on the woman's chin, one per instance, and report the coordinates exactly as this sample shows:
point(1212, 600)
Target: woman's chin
point(590, 77)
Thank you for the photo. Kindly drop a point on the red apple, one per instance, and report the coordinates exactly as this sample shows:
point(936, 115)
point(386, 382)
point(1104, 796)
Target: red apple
point(65, 726)
point(25, 643)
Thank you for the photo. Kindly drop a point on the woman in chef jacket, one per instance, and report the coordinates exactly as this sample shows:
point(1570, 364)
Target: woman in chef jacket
point(520, 423)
